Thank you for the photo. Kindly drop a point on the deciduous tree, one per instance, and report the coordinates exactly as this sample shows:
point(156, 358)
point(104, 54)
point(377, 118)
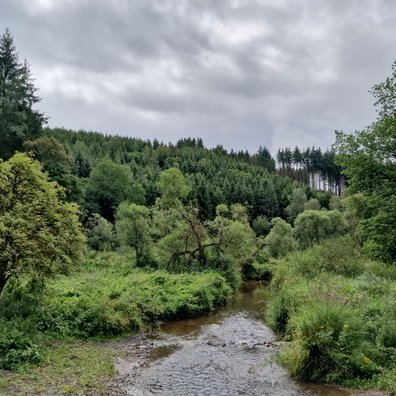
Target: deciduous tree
point(133, 230)
point(39, 233)
point(369, 161)
point(109, 185)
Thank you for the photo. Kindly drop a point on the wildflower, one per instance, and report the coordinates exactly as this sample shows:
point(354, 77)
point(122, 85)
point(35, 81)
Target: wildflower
point(322, 327)
point(366, 359)
point(346, 326)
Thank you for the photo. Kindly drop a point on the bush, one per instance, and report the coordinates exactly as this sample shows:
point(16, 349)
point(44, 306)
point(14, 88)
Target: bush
point(329, 344)
point(18, 344)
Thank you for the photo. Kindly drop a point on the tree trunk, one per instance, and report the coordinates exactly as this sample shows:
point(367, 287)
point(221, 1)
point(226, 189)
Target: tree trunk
point(3, 277)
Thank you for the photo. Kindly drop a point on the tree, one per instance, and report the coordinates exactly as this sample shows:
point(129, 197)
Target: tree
point(100, 233)
point(172, 187)
point(261, 225)
point(280, 240)
point(297, 200)
point(264, 159)
point(108, 186)
point(312, 204)
point(19, 121)
point(369, 161)
point(312, 226)
point(39, 233)
point(133, 230)
point(58, 164)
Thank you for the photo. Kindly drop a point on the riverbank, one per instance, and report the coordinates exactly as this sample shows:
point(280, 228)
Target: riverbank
point(337, 311)
point(110, 368)
point(106, 298)
point(88, 369)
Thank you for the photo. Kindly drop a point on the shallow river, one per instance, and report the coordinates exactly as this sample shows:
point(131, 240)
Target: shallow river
point(228, 352)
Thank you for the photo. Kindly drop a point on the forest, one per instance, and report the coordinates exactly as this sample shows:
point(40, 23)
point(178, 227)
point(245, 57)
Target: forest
point(103, 235)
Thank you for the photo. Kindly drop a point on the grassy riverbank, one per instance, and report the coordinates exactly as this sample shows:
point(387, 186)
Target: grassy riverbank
point(338, 311)
point(107, 297)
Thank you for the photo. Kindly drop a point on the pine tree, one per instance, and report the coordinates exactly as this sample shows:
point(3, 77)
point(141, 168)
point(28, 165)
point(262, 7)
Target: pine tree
point(18, 120)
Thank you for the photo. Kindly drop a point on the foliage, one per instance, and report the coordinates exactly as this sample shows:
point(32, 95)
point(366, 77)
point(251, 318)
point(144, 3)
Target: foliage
point(264, 158)
point(335, 203)
point(133, 230)
point(109, 185)
point(312, 204)
point(103, 302)
point(312, 226)
point(368, 158)
point(298, 200)
point(337, 311)
point(18, 119)
point(18, 344)
point(280, 240)
point(100, 233)
point(39, 234)
point(172, 187)
point(58, 164)
point(226, 244)
point(261, 225)
point(311, 167)
point(213, 176)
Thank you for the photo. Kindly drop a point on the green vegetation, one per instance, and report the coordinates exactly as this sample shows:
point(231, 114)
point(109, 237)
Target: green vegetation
point(334, 300)
point(68, 368)
point(108, 297)
point(19, 121)
point(337, 310)
point(39, 233)
point(101, 236)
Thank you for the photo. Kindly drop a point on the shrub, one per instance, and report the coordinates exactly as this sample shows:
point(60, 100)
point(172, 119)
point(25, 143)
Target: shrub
point(18, 344)
point(329, 344)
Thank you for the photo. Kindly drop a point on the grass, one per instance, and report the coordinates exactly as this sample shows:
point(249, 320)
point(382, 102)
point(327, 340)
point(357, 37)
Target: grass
point(338, 312)
point(96, 304)
point(69, 368)
point(105, 298)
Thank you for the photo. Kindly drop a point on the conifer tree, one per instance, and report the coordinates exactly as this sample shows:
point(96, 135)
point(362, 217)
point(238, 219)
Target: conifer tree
point(19, 121)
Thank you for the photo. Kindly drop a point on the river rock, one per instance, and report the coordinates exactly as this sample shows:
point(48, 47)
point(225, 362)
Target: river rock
point(216, 341)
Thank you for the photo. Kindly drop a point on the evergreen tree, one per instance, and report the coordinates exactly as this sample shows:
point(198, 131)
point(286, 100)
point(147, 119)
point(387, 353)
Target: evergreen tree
point(18, 120)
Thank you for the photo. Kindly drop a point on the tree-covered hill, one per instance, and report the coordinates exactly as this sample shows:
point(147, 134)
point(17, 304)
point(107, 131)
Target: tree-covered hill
point(214, 175)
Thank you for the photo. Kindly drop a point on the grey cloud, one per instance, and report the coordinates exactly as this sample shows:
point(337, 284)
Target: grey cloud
point(238, 73)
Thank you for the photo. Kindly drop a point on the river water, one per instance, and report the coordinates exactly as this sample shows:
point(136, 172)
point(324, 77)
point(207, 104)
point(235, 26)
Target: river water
point(228, 352)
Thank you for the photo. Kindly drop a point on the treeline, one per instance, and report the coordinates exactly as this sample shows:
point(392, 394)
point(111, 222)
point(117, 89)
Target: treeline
point(214, 175)
point(312, 167)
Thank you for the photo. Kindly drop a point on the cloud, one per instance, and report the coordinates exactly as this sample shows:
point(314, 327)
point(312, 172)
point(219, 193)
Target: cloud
point(237, 73)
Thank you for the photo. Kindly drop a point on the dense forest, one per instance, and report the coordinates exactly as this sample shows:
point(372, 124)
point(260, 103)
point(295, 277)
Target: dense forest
point(102, 235)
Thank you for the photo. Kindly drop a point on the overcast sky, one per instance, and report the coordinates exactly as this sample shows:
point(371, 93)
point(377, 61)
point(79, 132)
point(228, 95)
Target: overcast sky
point(241, 73)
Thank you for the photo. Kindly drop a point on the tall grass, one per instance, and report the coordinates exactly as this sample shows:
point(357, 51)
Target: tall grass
point(338, 312)
point(108, 296)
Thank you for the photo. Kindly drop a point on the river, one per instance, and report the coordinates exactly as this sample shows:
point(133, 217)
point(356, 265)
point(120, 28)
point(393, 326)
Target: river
point(227, 352)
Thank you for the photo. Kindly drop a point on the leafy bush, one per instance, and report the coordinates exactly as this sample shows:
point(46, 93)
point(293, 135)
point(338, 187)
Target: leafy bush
point(18, 344)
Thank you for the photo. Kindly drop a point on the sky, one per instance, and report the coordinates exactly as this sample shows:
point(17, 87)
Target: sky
point(240, 73)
